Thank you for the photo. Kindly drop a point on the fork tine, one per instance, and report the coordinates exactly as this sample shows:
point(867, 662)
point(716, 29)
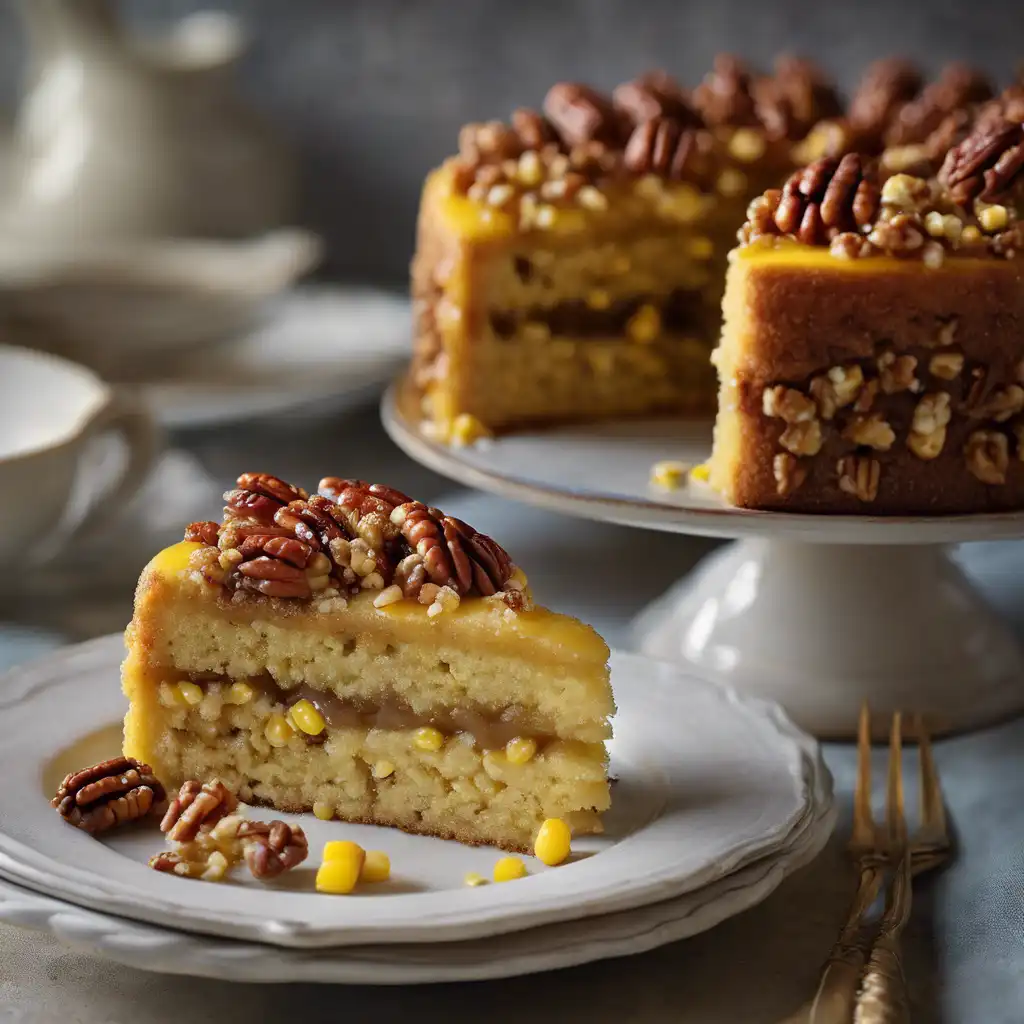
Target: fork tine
point(933, 810)
point(863, 824)
point(895, 821)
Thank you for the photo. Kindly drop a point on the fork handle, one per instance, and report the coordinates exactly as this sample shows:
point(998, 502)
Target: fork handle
point(883, 995)
point(836, 998)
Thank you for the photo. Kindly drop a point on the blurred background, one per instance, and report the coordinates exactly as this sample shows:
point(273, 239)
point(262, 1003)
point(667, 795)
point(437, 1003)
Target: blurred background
point(372, 93)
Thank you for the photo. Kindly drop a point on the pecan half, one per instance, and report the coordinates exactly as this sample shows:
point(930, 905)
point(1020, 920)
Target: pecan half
point(258, 496)
point(797, 97)
point(534, 130)
point(656, 94)
point(108, 794)
point(724, 96)
point(661, 146)
point(886, 86)
point(958, 86)
point(197, 805)
point(206, 533)
point(271, 848)
point(581, 114)
point(986, 164)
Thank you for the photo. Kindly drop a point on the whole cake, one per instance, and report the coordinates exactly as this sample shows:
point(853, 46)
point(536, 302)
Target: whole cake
point(364, 656)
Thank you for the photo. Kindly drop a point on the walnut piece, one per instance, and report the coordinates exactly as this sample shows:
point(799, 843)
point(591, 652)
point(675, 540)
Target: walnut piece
point(859, 476)
point(271, 848)
point(209, 855)
point(871, 432)
point(837, 389)
point(988, 456)
point(788, 404)
point(927, 435)
point(109, 794)
point(896, 373)
point(1000, 405)
point(196, 806)
point(790, 474)
point(946, 365)
point(802, 438)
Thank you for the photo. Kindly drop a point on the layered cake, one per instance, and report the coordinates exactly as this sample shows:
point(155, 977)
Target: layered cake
point(872, 358)
point(359, 654)
point(570, 263)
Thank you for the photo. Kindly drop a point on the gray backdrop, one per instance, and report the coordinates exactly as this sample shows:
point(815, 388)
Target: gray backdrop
point(372, 92)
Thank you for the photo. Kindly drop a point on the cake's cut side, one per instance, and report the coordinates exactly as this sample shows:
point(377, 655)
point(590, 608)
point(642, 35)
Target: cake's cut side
point(872, 356)
point(394, 700)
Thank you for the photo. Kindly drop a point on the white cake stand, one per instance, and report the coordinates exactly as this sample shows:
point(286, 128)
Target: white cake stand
point(818, 613)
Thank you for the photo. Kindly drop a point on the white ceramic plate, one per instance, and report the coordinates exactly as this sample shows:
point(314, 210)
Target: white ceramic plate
point(537, 949)
point(602, 471)
point(318, 343)
point(707, 784)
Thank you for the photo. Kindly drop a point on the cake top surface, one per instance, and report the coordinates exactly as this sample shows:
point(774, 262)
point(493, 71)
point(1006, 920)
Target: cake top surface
point(965, 199)
point(280, 541)
point(737, 123)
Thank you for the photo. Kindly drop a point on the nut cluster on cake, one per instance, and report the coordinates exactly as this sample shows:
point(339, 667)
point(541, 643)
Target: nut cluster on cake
point(279, 541)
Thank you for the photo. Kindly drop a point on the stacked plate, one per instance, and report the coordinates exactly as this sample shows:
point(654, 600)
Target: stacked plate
point(717, 799)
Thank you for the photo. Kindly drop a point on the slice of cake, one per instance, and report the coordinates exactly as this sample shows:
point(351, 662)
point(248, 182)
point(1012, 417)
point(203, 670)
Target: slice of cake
point(364, 656)
point(872, 359)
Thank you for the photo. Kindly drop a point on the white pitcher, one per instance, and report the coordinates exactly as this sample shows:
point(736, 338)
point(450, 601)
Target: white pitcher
point(124, 138)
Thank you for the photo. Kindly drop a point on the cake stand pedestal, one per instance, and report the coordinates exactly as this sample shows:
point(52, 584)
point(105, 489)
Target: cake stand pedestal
point(817, 613)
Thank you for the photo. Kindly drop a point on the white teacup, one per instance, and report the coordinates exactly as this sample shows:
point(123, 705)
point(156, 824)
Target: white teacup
point(50, 410)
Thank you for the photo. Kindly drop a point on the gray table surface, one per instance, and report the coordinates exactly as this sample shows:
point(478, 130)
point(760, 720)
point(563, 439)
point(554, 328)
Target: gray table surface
point(965, 944)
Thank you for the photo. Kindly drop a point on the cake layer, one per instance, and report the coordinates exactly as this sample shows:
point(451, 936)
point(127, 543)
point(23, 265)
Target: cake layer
point(459, 791)
point(479, 656)
point(874, 385)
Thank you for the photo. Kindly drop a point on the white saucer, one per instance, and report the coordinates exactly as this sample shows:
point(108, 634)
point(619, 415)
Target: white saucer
point(567, 944)
point(318, 343)
point(708, 783)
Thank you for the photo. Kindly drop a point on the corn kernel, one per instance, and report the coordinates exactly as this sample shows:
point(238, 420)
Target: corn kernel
point(277, 731)
point(170, 696)
point(383, 770)
point(472, 879)
point(970, 235)
point(598, 298)
point(520, 750)
point(530, 170)
point(552, 845)
point(238, 693)
point(428, 738)
point(376, 867)
point(592, 198)
point(701, 473)
point(323, 811)
point(389, 595)
point(192, 693)
point(993, 218)
point(304, 715)
point(509, 868)
point(669, 474)
point(216, 867)
point(731, 182)
point(340, 871)
point(644, 325)
point(747, 145)
point(466, 429)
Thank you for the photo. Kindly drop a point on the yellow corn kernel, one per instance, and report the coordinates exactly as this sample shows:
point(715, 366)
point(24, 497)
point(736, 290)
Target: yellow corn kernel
point(304, 715)
point(521, 749)
point(170, 696)
point(339, 849)
point(598, 298)
point(191, 693)
point(467, 429)
point(509, 868)
point(376, 867)
point(669, 474)
point(731, 182)
point(701, 247)
point(428, 738)
point(970, 235)
point(277, 731)
point(552, 845)
point(701, 473)
point(383, 770)
point(238, 693)
point(339, 873)
point(747, 145)
point(325, 812)
point(993, 218)
point(472, 879)
point(644, 325)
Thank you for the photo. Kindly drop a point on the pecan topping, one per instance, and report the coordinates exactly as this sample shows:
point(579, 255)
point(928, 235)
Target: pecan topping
point(534, 130)
point(958, 86)
point(886, 86)
point(826, 198)
point(271, 848)
point(795, 99)
point(108, 794)
point(488, 142)
point(986, 164)
point(656, 94)
point(204, 533)
point(724, 97)
point(197, 805)
point(581, 114)
point(258, 496)
point(661, 146)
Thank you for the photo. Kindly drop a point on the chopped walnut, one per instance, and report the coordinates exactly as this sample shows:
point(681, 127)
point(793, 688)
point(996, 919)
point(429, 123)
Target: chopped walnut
point(837, 389)
point(859, 476)
point(209, 855)
point(788, 404)
point(1000, 405)
point(871, 432)
point(927, 446)
point(867, 396)
point(789, 473)
point(946, 365)
point(896, 373)
point(803, 438)
point(932, 412)
point(988, 456)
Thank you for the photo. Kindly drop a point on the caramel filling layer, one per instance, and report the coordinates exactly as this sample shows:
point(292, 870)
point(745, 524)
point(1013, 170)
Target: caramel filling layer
point(489, 731)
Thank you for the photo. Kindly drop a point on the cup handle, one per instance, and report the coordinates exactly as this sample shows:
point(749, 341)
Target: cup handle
point(122, 415)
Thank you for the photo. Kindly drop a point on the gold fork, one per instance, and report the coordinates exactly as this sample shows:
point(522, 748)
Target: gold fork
point(871, 850)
